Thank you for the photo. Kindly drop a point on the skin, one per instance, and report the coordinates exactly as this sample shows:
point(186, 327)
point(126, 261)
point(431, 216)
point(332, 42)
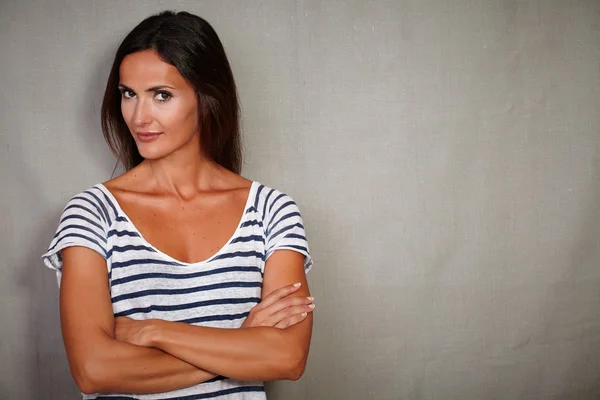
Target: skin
point(174, 198)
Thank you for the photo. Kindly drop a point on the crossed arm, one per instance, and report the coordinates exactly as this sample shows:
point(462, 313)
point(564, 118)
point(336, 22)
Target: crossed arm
point(153, 356)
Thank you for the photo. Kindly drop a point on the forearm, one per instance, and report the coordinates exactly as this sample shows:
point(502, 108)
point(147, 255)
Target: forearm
point(117, 367)
point(248, 354)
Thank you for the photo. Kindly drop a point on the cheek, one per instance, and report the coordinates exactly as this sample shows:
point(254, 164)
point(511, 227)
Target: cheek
point(127, 110)
point(177, 117)
point(191, 117)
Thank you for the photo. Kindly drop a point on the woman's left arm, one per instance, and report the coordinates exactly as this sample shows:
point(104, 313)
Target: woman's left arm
point(248, 354)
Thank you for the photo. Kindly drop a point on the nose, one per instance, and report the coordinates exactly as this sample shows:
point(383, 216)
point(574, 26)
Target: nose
point(143, 112)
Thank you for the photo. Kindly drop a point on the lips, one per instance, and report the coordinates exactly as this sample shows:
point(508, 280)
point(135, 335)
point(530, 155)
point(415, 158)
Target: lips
point(147, 136)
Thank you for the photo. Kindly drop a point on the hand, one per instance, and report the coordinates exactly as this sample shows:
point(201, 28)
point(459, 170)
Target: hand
point(133, 331)
point(279, 309)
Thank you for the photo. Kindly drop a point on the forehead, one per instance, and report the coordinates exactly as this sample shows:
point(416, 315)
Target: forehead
point(145, 68)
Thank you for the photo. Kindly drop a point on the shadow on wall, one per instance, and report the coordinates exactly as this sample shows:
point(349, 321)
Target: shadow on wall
point(46, 364)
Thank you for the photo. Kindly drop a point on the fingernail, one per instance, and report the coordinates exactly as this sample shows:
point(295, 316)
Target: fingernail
point(310, 298)
point(304, 314)
point(311, 306)
point(297, 284)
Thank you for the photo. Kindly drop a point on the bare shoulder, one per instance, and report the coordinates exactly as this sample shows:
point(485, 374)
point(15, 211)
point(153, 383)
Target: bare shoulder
point(236, 184)
point(128, 181)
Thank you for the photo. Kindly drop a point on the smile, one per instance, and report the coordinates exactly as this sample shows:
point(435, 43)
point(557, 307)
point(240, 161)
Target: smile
point(147, 136)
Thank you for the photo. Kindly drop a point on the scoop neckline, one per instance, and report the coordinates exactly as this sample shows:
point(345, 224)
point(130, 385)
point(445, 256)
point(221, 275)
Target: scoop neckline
point(120, 211)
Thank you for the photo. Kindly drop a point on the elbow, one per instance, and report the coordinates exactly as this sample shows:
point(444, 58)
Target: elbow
point(86, 386)
point(295, 366)
point(85, 383)
point(292, 356)
point(295, 373)
point(87, 376)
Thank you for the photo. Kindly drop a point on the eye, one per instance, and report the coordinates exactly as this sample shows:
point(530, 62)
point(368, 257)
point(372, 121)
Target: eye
point(163, 96)
point(128, 94)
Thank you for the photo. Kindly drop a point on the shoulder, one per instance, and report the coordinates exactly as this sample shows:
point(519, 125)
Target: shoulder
point(93, 204)
point(282, 223)
point(84, 222)
point(270, 202)
point(277, 209)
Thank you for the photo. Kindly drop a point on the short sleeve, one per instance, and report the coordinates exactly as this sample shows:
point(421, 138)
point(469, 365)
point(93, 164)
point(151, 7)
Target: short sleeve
point(285, 229)
point(82, 223)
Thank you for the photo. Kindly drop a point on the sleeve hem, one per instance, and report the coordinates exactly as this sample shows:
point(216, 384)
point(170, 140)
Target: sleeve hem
point(52, 258)
point(308, 262)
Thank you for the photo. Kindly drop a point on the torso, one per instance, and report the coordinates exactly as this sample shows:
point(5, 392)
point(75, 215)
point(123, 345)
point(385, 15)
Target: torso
point(196, 259)
point(156, 271)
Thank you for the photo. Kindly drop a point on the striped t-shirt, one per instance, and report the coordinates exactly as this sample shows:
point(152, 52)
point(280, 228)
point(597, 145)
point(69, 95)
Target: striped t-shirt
point(147, 283)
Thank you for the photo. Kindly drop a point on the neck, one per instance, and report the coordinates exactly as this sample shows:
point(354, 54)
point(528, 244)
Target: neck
point(184, 173)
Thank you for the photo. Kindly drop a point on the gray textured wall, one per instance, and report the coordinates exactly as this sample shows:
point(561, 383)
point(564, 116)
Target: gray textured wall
point(445, 155)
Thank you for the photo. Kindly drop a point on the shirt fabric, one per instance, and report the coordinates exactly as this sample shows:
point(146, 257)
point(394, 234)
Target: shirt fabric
point(147, 283)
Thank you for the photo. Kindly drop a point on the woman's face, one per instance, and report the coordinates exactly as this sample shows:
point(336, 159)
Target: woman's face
point(158, 105)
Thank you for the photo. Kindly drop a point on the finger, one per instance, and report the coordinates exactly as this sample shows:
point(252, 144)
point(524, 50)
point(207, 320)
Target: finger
point(279, 294)
point(290, 312)
point(286, 302)
point(291, 321)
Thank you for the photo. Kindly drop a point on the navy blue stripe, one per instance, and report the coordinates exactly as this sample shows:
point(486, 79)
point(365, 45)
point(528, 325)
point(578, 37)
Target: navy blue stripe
point(109, 201)
point(266, 201)
point(260, 188)
point(104, 210)
point(251, 223)
point(252, 238)
point(81, 217)
point(275, 201)
point(143, 261)
point(274, 215)
point(215, 286)
point(224, 392)
point(88, 239)
point(179, 307)
point(287, 216)
point(122, 233)
point(121, 219)
point(216, 379)
point(210, 318)
point(293, 246)
point(295, 236)
point(200, 396)
point(123, 249)
point(82, 208)
point(151, 275)
point(93, 204)
point(80, 227)
point(287, 228)
point(239, 254)
point(219, 393)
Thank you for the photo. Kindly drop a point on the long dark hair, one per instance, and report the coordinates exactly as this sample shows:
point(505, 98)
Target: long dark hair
point(190, 44)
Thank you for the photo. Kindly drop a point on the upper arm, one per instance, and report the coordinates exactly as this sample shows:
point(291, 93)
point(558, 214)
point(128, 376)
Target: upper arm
point(85, 305)
point(286, 267)
point(85, 308)
point(287, 258)
point(78, 254)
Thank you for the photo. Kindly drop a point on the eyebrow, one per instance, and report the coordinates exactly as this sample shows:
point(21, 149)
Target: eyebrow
point(152, 89)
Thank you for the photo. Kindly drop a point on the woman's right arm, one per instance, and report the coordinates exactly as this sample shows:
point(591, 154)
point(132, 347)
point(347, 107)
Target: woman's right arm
point(98, 362)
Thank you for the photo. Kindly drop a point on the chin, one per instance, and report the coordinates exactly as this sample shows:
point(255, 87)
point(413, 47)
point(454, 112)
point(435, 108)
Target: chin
point(152, 154)
point(156, 149)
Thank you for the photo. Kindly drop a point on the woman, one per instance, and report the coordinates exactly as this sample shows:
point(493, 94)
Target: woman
point(180, 278)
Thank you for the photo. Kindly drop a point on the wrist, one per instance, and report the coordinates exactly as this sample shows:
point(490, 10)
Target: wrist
point(151, 332)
